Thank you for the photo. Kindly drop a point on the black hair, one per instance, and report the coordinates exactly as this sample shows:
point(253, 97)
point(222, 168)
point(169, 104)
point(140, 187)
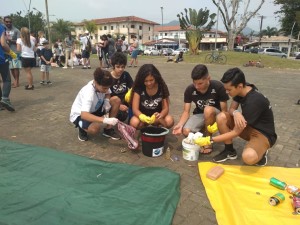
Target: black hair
point(109, 35)
point(7, 17)
point(123, 37)
point(144, 71)
point(104, 37)
point(235, 76)
point(200, 71)
point(118, 58)
point(103, 77)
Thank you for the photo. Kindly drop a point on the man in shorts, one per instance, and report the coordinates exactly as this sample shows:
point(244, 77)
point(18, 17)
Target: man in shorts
point(209, 97)
point(254, 123)
point(12, 34)
point(69, 47)
point(85, 54)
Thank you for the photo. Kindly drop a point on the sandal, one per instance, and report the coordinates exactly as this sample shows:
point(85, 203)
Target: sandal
point(206, 150)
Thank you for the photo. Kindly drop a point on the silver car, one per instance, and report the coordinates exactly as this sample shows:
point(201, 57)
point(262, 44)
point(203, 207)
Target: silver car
point(273, 52)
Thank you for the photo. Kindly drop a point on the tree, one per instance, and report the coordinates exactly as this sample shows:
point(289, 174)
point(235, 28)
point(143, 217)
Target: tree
point(289, 13)
point(193, 23)
point(270, 31)
point(233, 21)
point(61, 28)
point(90, 26)
point(37, 22)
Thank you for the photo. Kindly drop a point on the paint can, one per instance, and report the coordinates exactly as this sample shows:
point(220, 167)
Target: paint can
point(296, 204)
point(293, 190)
point(277, 183)
point(276, 199)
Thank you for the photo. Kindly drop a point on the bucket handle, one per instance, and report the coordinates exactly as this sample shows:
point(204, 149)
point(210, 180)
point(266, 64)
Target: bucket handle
point(160, 134)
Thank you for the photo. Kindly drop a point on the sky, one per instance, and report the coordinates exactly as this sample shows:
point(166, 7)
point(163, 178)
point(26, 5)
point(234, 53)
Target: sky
point(78, 10)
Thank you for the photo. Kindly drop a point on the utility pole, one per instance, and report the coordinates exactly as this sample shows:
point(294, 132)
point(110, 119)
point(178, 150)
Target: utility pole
point(217, 25)
point(48, 23)
point(260, 29)
point(29, 15)
point(290, 40)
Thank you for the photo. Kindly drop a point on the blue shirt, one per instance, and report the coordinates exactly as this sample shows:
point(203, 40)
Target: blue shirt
point(2, 57)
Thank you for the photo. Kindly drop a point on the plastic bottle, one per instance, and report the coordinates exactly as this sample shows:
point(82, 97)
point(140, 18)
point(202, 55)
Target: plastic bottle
point(168, 153)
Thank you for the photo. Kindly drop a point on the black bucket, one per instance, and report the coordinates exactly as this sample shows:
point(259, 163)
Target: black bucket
point(153, 139)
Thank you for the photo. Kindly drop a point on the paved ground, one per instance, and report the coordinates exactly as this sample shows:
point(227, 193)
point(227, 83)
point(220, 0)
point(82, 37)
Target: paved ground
point(42, 118)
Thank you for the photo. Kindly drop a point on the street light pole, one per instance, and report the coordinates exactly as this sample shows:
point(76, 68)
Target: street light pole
point(290, 40)
point(217, 25)
point(48, 24)
point(162, 21)
point(29, 15)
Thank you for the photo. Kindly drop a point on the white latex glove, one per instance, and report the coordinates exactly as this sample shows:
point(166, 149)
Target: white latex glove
point(106, 105)
point(110, 121)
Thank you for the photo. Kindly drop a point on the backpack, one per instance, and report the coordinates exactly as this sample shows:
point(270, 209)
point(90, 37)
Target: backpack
point(88, 46)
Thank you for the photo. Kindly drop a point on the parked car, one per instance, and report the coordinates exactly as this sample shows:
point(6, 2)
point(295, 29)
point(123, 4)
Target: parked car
point(273, 52)
point(177, 51)
point(296, 54)
point(151, 51)
point(251, 50)
point(166, 51)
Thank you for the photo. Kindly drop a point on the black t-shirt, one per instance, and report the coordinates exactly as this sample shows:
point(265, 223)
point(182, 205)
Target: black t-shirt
point(47, 53)
point(258, 113)
point(150, 104)
point(121, 86)
point(215, 94)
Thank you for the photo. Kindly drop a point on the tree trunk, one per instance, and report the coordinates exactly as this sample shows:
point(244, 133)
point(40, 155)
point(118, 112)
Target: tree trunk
point(231, 39)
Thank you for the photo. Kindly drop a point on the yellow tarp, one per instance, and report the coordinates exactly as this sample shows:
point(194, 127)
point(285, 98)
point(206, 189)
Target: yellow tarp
point(241, 195)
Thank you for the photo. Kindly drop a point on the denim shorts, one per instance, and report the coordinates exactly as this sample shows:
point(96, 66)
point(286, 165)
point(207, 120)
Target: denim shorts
point(45, 68)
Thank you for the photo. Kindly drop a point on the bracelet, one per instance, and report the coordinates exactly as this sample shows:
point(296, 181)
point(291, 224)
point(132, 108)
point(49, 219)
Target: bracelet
point(235, 111)
point(211, 140)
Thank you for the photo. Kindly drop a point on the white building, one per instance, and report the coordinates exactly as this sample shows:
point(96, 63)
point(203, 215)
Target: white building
point(126, 25)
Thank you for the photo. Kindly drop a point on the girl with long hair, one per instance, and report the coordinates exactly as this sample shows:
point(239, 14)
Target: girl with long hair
point(26, 46)
point(150, 99)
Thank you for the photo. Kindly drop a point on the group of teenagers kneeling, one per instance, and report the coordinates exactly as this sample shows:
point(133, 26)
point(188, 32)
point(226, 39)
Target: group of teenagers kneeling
point(113, 96)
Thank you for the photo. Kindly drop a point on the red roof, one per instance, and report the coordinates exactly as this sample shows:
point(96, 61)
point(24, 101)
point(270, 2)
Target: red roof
point(177, 28)
point(121, 19)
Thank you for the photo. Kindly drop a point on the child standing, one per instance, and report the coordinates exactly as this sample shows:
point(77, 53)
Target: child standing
point(46, 60)
point(150, 99)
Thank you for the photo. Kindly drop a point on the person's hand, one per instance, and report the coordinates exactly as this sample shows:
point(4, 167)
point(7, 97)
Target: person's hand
point(203, 141)
point(239, 121)
point(106, 105)
point(110, 121)
point(144, 118)
point(123, 107)
point(12, 54)
point(128, 95)
point(157, 115)
point(177, 130)
point(212, 128)
point(152, 119)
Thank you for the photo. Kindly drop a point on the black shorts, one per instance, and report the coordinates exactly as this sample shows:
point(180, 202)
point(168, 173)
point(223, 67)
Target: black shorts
point(85, 54)
point(28, 62)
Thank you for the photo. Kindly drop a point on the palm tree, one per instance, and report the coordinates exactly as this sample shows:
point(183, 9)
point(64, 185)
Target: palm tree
point(193, 23)
point(90, 26)
point(270, 31)
point(62, 28)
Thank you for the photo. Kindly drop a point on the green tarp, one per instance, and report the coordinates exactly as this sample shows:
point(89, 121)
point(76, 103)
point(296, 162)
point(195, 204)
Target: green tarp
point(43, 186)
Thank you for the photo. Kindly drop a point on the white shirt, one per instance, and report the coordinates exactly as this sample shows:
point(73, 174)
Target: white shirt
point(86, 100)
point(27, 52)
point(83, 41)
point(124, 46)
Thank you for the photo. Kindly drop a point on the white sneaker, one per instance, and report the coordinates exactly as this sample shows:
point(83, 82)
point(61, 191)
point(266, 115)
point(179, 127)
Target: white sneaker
point(65, 67)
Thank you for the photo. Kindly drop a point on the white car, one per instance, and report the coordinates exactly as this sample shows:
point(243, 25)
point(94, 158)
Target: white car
point(273, 52)
point(177, 51)
point(151, 51)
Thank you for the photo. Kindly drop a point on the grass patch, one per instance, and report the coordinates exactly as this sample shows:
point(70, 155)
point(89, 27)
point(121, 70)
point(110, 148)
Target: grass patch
point(234, 58)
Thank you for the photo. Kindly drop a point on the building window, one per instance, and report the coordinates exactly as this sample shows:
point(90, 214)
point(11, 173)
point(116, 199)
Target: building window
point(123, 26)
point(166, 34)
point(140, 37)
point(96, 36)
point(171, 34)
point(160, 34)
point(149, 28)
point(111, 27)
point(132, 26)
point(149, 38)
point(100, 27)
point(105, 27)
point(141, 27)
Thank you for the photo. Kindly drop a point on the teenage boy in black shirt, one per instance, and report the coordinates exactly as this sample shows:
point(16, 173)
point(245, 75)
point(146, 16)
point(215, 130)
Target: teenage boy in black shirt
point(255, 123)
point(209, 97)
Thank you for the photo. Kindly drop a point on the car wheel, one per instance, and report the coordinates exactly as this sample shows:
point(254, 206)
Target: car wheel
point(283, 57)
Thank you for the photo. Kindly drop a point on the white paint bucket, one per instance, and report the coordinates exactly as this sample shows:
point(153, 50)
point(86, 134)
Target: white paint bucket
point(190, 152)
